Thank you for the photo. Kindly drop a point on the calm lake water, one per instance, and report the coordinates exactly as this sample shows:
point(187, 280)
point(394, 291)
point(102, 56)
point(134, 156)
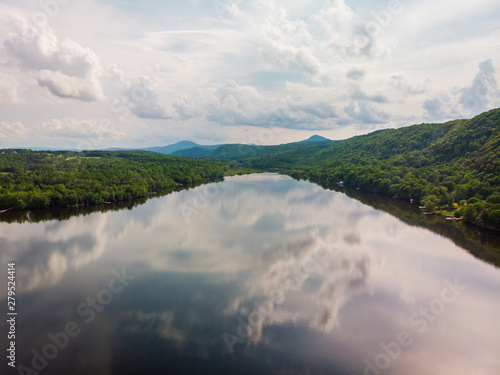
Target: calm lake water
point(258, 274)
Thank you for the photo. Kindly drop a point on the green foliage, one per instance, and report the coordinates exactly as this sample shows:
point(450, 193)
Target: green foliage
point(430, 202)
point(45, 179)
point(436, 164)
point(473, 200)
point(494, 198)
point(494, 218)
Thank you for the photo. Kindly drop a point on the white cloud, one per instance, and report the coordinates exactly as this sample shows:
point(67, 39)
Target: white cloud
point(404, 85)
point(232, 104)
point(145, 102)
point(331, 65)
point(358, 94)
point(12, 130)
point(286, 43)
point(483, 89)
point(434, 107)
point(356, 74)
point(482, 94)
point(9, 90)
point(186, 108)
point(73, 128)
point(362, 113)
point(316, 46)
point(64, 86)
point(66, 68)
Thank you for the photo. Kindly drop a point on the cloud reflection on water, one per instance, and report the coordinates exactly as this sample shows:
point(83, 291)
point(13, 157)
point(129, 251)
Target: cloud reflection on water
point(195, 280)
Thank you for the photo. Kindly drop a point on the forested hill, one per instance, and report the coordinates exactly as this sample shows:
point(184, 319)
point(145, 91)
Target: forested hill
point(452, 167)
point(242, 151)
point(444, 166)
point(40, 179)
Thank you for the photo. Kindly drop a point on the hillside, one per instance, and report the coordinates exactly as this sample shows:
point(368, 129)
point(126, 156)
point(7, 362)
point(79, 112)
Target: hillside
point(444, 166)
point(452, 168)
point(241, 151)
point(35, 179)
point(182, 145)
point(316, 138)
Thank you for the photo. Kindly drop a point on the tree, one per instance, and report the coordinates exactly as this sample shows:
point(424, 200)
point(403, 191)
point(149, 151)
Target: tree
point(430, 202)
point(494, 198)
point(469, 214)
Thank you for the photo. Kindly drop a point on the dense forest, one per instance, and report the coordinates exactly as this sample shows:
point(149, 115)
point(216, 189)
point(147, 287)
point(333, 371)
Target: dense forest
point(453, 168)
point(36, 179)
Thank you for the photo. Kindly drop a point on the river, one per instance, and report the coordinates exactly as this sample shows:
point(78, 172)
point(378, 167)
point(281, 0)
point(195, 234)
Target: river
point(259, 274)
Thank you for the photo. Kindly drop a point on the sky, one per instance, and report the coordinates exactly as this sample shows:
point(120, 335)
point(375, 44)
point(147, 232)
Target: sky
point(121, 73)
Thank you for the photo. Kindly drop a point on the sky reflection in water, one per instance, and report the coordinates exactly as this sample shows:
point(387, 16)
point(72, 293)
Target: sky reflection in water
point(334, 279)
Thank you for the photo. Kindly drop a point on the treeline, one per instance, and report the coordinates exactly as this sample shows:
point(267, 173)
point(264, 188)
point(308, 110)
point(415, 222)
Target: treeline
point(41, 179)
point(453, 166)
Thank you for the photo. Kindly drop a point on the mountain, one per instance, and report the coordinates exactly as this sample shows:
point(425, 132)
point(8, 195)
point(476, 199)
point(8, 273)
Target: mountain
point(166, 150)
point(452, 166)
point(182, 145)
point(316, 138)
point(444, 166)
point(194, 149)
point(196, 152)
point(238, 150)
point(243, 151)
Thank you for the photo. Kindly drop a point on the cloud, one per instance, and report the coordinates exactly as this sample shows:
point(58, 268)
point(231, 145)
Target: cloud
point(362, 113)
point(298, 65)
point(64, 86)
point(9, 90)
point(114, 72)
point(358, 94)
point(317, 109)
point(332, 36)
point(399, 82)
point(232, 104)
point(66, 69)
point(462, 102)
point(345, 35)
point(434, 107)
point(10, 130)
point(72, 128)
point(356, 74)
point(286, 43)
point(145, 102)
point(185, 108)
point(483, 89)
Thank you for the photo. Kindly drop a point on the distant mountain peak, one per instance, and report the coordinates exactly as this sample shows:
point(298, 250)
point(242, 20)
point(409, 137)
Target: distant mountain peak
point(179, 146)
point(316, 138)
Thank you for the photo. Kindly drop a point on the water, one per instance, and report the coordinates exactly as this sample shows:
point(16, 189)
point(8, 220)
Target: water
point(259, 274)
